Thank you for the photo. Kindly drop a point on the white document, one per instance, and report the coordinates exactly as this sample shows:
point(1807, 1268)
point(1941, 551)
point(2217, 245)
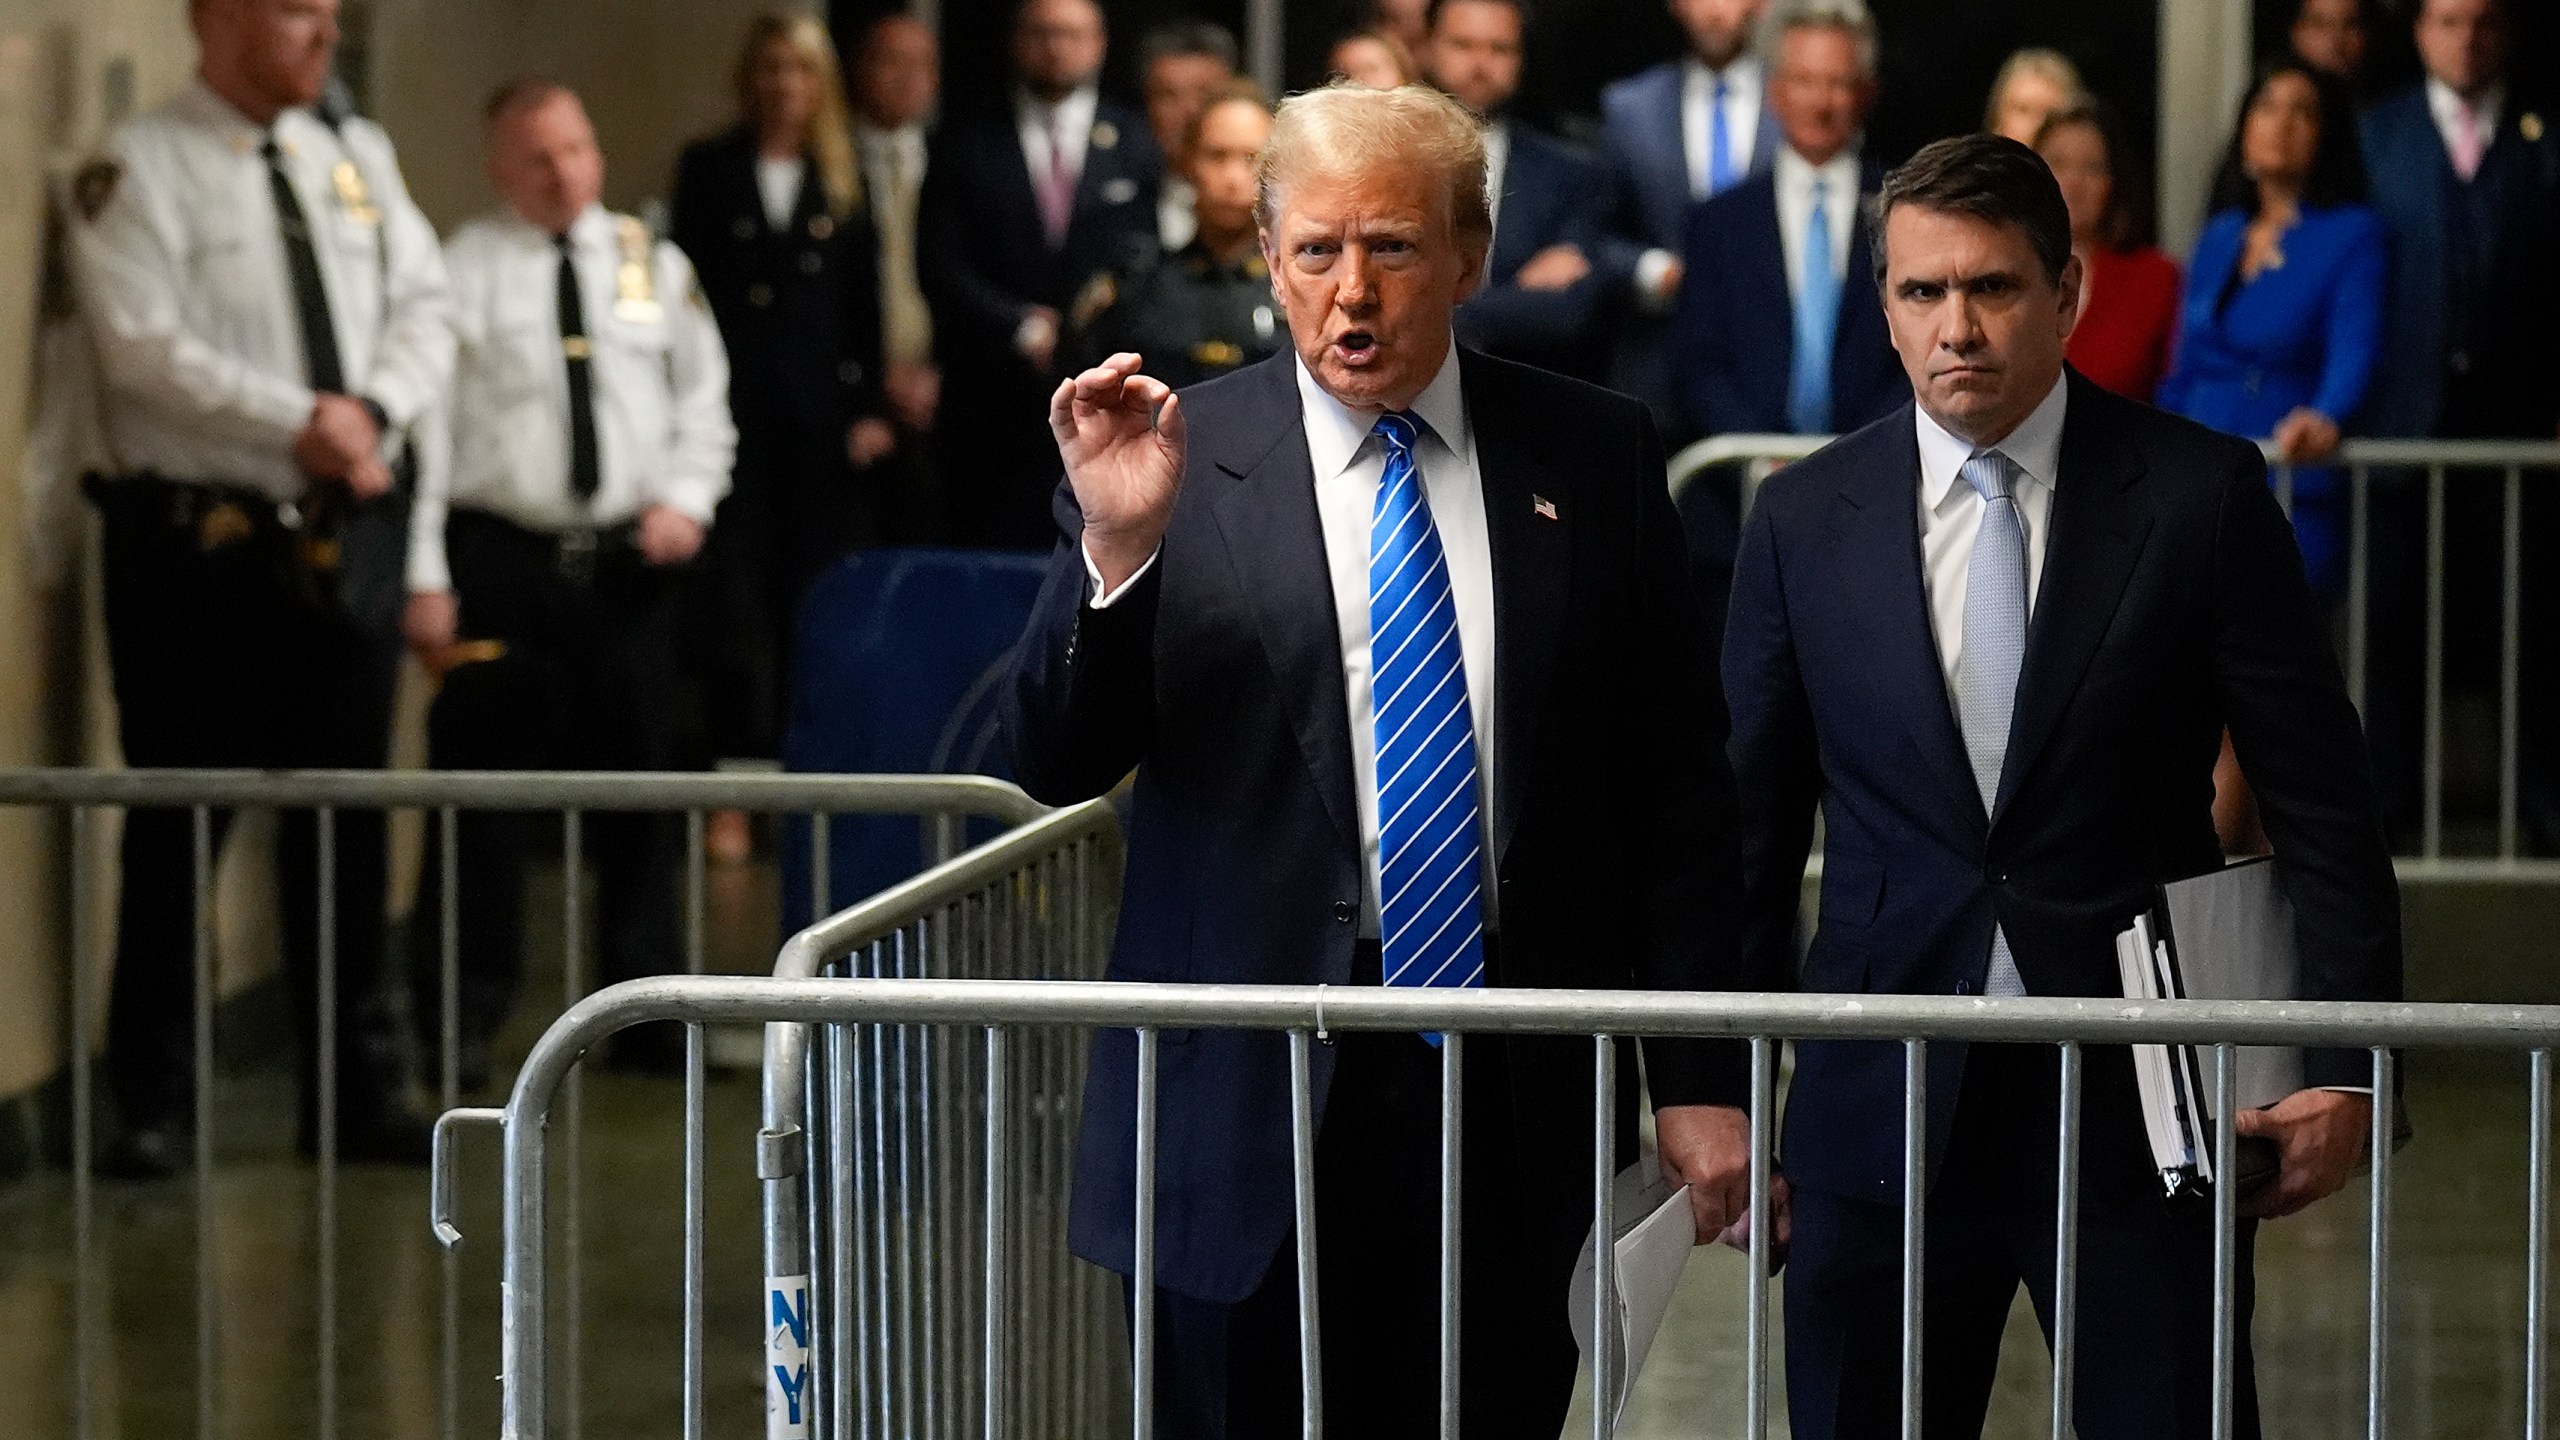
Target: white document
point(1656, 1232)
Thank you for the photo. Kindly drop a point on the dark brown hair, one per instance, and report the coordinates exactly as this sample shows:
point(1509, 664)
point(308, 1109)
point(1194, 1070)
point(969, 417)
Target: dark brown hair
point(1988, 177)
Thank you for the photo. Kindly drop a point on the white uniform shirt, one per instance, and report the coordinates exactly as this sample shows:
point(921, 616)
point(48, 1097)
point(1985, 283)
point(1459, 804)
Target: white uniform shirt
point(183, 286)
point(1349, 463)
point(660, 382)
point(1840, 201)
point(1951, 512)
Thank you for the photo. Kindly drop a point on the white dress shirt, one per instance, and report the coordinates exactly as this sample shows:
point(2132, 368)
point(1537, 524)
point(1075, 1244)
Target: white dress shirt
point(1349, 463)
point(1742, 85)
point(1497, 159)
point(182, 284)
point(660, 383)
point(1951, 512)
point(778, 186)
point(1177, 214)
point(1073, 119)
point(2445, 108)
point(1840, 200)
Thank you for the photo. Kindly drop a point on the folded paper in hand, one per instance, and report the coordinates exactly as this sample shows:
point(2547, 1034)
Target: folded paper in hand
point(1655, 1232)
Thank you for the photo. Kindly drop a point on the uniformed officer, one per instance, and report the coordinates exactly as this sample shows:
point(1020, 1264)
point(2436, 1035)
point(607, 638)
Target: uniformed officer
point(587, 446)
point(1205, 309)
point(269, 313)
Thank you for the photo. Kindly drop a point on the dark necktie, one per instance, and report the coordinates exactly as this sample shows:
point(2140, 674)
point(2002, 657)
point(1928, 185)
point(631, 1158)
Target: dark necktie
point(310, 296)
point(579, 354)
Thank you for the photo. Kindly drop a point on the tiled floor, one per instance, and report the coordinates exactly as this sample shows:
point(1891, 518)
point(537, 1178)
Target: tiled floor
point(2457, 1295)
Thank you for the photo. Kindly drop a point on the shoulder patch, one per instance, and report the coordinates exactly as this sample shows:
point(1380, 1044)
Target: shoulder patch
point(95, 186)
point(1099, 294)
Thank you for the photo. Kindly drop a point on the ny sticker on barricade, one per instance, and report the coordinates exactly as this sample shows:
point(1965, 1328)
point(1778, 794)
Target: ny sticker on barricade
point(786, 1356)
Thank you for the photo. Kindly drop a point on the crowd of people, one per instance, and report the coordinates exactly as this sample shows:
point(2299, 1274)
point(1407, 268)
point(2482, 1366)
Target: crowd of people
point(587, 472)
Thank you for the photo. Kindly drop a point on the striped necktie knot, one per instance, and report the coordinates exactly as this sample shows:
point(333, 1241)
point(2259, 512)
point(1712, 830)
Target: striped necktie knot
point(1399, 431)
point(1992, 475)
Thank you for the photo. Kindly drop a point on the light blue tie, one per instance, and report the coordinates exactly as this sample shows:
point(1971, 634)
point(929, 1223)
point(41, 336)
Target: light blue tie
point(1719, 143)
point(1994, 647)
point(1817, 315)
point(1430, 910)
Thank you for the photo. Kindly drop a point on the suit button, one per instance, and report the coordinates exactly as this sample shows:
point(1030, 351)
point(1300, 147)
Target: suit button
point(1999, 877)
point(760, 295)
point(1345, 912)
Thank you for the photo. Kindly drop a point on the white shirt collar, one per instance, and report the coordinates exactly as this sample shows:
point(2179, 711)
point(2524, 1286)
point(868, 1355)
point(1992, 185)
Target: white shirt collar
point(1741, 78)
point(1796, 173)
point(2035, 447)
point(1073, 114)
point(1335, 431)
point(2446, 106)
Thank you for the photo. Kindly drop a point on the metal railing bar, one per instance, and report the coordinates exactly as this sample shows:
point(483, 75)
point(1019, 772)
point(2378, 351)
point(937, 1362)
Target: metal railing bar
point(449, 1089)
point(658, 790)
point(573, 1128)
point(325, 828)
point(2226, 1240)
point(1915, 1209)
point(1142, 1281)
point(1453, 1174)
point(696, 1214)
point(1755, 1315)
point(2537, 1265)
point(84, 1195)
point(1302, 1166)
point(201, 978)
point(1604, 1236)
point(999, 1176)
point(2066, 1239)
point(2377, 1369)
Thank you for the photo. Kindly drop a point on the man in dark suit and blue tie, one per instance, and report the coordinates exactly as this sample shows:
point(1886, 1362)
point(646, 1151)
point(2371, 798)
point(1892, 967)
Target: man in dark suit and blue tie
point(1672, 135)
point(1539, 303)
point(1395, 637)
point(1761, 342)
point(2465, 173)
point(1022, 207)
point(1999, 635)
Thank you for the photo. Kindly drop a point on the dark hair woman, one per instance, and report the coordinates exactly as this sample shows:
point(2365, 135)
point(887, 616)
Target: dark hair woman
point(2128, 290)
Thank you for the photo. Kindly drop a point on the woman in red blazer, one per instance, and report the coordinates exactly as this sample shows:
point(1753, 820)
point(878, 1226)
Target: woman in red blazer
point(2129, 292)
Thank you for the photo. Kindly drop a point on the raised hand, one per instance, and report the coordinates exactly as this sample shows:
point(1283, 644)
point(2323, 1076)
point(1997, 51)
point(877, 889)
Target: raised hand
point(1120, 434)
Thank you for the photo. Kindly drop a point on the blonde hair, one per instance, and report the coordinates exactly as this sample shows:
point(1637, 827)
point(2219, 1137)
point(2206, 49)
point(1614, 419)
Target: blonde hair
point(2051, 66)
point(830, 137)
point(1346, 129)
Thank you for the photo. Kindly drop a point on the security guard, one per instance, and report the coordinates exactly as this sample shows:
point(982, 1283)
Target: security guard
point(1207, 308)
point(587, 445)
point(269, 314)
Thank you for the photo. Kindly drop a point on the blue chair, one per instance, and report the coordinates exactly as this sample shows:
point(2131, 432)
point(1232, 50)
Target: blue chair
point(899, 654)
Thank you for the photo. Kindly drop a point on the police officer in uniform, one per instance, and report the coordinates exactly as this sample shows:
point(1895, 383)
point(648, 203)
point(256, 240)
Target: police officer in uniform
point(578, 468)
point(1205, 309)
point(269, 313)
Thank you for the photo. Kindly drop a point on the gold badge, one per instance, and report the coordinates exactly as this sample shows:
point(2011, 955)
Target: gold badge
point(1105, 134)
point(576, 347)
point(320, 555)
point(821, 226)
point(94, 186)
point(1217, 354)
point(2530, 125)
point(353, 199)
point(1099, 294)
point(222, 527)
point(635, 285)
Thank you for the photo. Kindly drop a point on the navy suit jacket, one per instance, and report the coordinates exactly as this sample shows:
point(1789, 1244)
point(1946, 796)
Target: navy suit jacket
point(1218, 678)
point(1733, 337)
point(2172, 606)
point(1552, 194)
point(2490, 291)
point(1640, 138)
point(983, 256)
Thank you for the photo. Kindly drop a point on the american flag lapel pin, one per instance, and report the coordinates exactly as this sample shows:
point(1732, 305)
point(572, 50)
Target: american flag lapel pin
point(1545, 507)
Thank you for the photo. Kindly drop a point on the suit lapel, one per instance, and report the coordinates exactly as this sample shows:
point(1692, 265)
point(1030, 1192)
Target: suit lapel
point(1532, 576)
point(1669, 161)
point(1266, 510)
point(1879, 574)
point(2099, 526)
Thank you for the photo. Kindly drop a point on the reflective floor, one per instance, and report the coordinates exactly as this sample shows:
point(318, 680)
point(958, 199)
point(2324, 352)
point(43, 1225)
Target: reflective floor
point(239, 1301)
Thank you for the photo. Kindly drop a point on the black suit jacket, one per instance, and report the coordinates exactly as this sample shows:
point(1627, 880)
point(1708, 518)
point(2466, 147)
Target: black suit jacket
point(1733, 336)
point(984, 257)
point(2173, 605)
point(799, 307)
point(1551, 195)
point(1219, 680)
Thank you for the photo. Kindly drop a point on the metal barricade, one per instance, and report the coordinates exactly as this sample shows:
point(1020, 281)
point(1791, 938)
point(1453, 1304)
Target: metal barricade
point(84, 796)
point(995, 1009)
point(2426, 472)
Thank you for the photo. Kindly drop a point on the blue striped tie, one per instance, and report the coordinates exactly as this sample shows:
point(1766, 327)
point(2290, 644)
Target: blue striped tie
point(1430, 910)
point(1993, 651)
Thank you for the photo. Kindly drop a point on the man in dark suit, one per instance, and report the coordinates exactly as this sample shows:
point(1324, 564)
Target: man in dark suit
point(1394, 635)
point(1999, 635)
point(1022, 207)
point(1762, 342)
point(2466, 175)
point(1540, 302)
point(1683, 131)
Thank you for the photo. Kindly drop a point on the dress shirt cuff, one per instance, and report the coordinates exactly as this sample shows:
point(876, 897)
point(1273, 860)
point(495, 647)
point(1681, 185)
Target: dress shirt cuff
point(1095, 596)
point(428, 571)
point(283, 405)
point(1651, 267)
point(696, 500)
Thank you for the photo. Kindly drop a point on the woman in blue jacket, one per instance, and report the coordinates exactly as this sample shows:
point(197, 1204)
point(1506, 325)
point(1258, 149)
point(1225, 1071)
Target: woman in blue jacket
point(2283, 316)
